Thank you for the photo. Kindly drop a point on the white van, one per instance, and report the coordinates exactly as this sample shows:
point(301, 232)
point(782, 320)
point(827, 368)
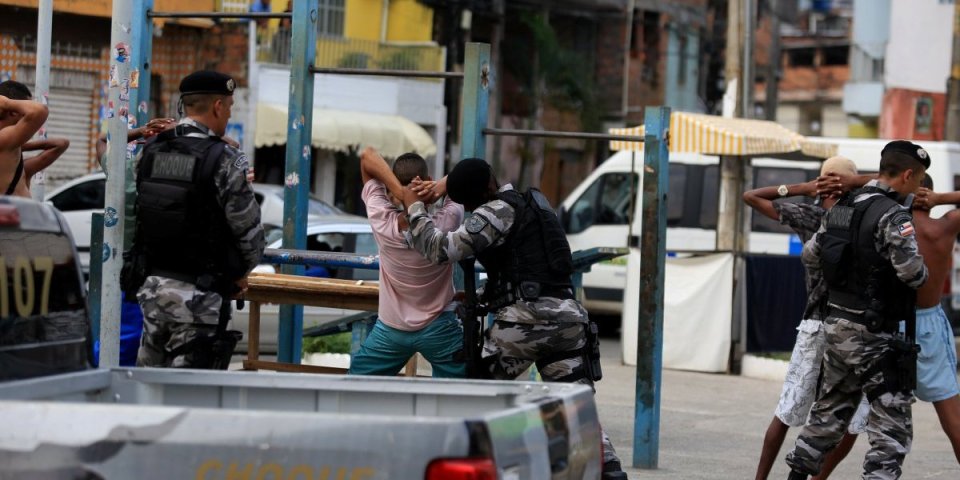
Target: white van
point(598, 212)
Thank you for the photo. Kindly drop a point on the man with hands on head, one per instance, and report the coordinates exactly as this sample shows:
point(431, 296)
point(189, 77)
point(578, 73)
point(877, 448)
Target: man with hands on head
point(937, 361)
point(20, 119)
point(800, 385)
point(517, 238)
point(417, 307)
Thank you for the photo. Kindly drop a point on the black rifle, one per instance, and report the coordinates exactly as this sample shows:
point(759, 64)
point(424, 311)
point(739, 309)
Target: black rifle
point(472, 315)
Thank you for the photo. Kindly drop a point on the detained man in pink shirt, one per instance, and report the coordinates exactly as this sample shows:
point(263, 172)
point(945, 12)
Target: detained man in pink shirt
point(417, 309)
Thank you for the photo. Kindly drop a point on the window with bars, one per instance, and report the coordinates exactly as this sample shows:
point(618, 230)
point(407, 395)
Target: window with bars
point(331, 20)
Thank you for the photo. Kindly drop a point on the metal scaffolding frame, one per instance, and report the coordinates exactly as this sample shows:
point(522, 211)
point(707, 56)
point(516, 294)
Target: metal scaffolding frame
point(132, 37)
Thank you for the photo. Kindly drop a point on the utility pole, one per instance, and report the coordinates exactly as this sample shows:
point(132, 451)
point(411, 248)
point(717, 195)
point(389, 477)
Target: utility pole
point(114, 213)
point(773, 61)
point(953, 87)
point(41, 82)
point(731, 69)
point(748, 82)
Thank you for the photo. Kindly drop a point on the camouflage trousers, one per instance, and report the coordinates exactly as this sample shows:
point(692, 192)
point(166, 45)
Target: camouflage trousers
point(849, 372)
point(174, 314)
point(511, 348)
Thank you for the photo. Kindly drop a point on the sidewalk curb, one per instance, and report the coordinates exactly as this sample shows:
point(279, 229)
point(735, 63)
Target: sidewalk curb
point(763, 368)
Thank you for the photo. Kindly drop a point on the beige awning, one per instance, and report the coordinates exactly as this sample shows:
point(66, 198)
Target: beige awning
point(712, 135)
point(339, 130)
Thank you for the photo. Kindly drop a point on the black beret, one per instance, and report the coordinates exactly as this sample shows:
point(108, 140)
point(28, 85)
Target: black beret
point(909, 149)
point(467, 183)
point(207, 82)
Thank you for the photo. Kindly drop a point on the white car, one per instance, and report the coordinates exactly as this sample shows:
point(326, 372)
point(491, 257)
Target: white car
point(347, 233)
point(81, 197)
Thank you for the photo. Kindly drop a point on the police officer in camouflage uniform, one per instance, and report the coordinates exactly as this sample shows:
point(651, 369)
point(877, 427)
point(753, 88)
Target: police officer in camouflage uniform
point(868, 253)
point(518, 240)
point(198, 229)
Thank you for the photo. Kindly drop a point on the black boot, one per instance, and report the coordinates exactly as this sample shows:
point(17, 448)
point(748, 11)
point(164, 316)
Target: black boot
point(612, 471)
point(795, 475)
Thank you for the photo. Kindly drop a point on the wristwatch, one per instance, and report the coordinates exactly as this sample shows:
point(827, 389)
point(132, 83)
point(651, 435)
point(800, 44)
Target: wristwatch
point(782, 190)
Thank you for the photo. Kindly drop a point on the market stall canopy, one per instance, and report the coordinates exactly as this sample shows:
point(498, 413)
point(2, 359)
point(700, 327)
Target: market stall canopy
point(712, 135)
point(339, 130)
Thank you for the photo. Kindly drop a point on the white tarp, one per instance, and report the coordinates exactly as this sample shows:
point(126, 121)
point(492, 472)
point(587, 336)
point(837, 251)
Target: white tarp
point(698, 301)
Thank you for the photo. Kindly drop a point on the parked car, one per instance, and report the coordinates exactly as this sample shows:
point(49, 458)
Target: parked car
point(81, 197)
point(346, 233)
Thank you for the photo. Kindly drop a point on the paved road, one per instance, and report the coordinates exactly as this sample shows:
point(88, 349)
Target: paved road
point(712, 427)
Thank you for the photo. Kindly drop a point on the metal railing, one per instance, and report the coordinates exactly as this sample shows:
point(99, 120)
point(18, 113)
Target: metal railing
point(339, 52)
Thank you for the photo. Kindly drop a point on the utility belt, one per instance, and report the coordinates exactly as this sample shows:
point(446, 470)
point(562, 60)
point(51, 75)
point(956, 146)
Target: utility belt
point(528, 291)
point(874, 322)
point(898, 366)
point(206, 282)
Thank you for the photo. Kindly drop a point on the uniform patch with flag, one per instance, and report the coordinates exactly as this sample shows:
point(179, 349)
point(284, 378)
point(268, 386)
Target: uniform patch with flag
point(906, 229)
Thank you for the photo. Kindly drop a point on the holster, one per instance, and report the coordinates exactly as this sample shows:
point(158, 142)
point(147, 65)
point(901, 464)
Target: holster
point(213, 352)
point(133, 273)
point(591, 358)
point(904, 363)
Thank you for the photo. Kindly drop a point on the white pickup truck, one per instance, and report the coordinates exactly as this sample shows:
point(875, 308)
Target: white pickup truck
point(162, 424)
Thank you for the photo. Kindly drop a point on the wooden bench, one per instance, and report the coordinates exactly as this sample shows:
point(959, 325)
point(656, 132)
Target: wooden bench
point(295, 289)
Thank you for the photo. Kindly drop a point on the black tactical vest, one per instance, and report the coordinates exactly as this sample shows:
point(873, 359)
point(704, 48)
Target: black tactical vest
point(858, 278)
point(534, 260)
point(180, 224)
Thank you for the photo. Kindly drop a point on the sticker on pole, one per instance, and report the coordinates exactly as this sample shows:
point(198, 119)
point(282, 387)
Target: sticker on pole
point(110, 217)
point(121, 52)
point(106, 252)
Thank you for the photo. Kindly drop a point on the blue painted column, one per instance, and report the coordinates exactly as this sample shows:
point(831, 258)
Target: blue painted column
point(139, 84)
point(474, 100)
point(297, 173)
point(653, 242)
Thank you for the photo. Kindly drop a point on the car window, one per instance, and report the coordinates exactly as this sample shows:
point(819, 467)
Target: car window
point(606, 202)
point(768, 176)
point(676, 186)
point(83, 196)
point(315, 206)
point(710, 200)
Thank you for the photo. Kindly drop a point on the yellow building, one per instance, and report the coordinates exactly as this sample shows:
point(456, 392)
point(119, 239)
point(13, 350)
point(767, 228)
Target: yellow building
point(387, 34)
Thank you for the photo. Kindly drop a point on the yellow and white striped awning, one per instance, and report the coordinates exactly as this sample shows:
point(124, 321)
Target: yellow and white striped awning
point(712, 135)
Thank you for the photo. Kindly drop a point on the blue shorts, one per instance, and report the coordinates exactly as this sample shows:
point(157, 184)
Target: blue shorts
point(937, 363)
point(386, 350)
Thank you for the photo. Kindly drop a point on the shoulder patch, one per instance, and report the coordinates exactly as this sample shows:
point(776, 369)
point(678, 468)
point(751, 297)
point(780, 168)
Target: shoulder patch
point(904, 222)
point(475, 224)
point(241, 162)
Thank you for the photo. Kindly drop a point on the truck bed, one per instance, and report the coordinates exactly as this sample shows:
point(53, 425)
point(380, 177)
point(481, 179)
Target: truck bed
point(162, 423)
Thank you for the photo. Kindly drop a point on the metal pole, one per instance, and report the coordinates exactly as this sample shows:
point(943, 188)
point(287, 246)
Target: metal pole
point(220, 15)
point(748, 82)
point(41, 84)
point(773, 60)
point(253, 93)
point(138, 85)
point(510, 132)
point(731, 69)
point(653, 242)
point(385, 73)
point(953, 84)
point(475, 98)
point(297, 178)
point(113, 216)
point(96, 275)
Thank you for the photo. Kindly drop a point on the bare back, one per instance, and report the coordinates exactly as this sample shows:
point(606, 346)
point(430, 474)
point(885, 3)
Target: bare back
point(935, 239)
point(9, 159)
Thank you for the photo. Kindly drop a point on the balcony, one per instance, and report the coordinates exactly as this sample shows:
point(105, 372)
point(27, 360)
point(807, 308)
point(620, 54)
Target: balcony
point(274, 48)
